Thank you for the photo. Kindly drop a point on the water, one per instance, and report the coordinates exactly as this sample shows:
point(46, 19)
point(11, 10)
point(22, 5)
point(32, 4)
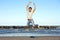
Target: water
point(39, 31)
point(30, 32)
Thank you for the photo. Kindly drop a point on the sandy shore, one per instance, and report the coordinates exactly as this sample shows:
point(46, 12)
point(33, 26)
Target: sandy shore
point(28, 38)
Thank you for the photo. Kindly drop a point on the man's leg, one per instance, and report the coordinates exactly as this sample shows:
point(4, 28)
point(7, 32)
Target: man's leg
point(29, 23)
point(32, 24)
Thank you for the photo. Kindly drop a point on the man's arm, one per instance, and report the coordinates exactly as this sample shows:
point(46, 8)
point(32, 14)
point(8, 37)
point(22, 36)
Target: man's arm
point(34, 7)
point(27, 6)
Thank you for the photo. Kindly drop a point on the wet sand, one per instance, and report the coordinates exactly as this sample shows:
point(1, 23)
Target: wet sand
point(28, 38)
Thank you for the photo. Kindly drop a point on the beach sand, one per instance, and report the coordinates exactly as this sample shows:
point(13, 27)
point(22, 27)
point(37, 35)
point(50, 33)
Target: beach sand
point(28, 38)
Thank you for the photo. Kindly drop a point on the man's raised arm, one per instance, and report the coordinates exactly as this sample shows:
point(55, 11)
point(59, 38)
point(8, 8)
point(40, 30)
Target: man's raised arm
point(34, 7)
point(27, 6)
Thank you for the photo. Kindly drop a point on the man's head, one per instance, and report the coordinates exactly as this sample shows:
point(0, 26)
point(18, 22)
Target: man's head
point(30, 9)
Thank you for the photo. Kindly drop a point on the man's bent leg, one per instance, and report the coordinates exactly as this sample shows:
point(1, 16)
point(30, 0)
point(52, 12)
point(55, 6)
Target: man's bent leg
point(30, 23)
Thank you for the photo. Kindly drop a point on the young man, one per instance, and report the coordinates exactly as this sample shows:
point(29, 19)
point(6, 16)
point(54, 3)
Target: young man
point(30, 12)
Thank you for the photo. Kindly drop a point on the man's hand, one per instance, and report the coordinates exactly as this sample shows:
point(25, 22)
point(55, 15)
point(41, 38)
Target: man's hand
point(33, 3)
point(29, 2)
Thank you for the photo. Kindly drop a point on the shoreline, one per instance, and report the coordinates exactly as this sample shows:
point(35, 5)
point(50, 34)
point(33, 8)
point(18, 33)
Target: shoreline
point(28, 38)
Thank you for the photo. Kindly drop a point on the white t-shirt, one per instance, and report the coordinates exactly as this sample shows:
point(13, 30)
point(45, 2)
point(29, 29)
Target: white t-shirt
point(29, 15)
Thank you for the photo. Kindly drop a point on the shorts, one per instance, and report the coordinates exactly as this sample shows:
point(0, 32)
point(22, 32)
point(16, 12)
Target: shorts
point(30, 22)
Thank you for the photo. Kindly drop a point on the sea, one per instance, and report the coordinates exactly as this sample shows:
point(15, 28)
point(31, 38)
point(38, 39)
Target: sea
point(29, 32)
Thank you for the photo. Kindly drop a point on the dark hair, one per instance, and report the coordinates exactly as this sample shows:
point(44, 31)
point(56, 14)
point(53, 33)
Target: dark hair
point(30, 7)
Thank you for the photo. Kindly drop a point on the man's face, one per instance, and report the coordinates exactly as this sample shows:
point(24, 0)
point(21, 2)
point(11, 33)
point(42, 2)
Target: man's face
point(30, 9)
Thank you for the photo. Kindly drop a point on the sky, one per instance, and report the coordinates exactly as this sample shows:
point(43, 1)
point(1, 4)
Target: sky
point(13, 12)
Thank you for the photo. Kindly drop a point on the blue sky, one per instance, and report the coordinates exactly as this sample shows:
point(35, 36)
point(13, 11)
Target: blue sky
point(13, 12)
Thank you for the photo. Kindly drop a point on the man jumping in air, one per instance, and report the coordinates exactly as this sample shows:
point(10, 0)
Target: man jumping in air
point(30, 12)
